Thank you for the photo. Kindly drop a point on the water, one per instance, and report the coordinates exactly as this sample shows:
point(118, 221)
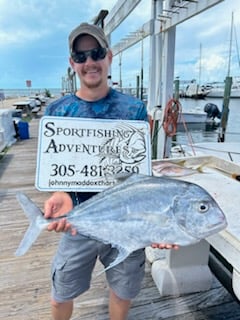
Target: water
point(210, 134)
point(16, 93)
point(200, 135)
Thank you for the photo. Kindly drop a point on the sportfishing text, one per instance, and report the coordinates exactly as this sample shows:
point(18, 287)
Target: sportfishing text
point(51, 131)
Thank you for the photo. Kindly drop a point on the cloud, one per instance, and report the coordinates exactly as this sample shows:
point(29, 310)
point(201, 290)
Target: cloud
point(211, 30)
point(33, 38)
point(213, 64)
point(34, 35)
point(22, 22)
point(20, 36)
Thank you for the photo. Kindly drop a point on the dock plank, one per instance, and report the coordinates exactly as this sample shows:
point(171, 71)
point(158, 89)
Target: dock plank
point(25, 281)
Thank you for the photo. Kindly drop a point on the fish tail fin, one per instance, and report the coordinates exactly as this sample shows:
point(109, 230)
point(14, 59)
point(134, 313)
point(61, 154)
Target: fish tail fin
point(34, 214)
point(122, 255)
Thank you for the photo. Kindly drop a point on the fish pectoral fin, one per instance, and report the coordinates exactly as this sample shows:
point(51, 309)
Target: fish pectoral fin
point(123, 253)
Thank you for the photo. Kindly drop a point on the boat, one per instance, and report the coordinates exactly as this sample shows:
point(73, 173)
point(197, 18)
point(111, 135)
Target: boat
point(195, 91)
point(194, 118)
point(216, 89)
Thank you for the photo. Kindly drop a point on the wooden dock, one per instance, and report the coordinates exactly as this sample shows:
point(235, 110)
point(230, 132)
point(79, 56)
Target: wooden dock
point(25, 281)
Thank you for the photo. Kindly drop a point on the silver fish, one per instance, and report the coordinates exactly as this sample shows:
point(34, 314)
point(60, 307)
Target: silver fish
point(135, 213)
point(170, 169)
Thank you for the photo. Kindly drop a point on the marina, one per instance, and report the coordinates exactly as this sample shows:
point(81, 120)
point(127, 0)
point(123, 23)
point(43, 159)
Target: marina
point(190, 284)
point(210, 133)
point(24, 282)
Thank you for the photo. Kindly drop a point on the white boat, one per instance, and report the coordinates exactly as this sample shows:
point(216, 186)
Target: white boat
point(196, 119)
point(216, 90)
point(195, 91)
point(191, 119)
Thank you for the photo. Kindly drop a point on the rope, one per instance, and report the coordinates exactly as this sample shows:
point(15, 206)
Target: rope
point(189, 136)
point(171, 115)
point(170, 118)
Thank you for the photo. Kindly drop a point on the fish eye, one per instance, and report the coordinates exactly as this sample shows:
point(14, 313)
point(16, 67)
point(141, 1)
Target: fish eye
point(203, 207)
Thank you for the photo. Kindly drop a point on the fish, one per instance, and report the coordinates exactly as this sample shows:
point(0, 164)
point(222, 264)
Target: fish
point(136, 212)
point(170, 169)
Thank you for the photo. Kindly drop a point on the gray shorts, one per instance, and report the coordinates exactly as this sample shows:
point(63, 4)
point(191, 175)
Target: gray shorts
point(74, 262)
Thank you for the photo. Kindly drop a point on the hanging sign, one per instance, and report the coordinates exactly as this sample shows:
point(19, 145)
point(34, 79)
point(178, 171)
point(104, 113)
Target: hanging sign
point(28, 83)
point(78, 154)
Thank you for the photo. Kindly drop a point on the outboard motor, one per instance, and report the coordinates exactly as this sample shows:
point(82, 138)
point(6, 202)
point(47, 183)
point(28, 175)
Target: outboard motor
point(212, 111)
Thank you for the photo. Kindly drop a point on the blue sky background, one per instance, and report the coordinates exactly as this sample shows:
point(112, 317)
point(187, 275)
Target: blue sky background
point(34, 41)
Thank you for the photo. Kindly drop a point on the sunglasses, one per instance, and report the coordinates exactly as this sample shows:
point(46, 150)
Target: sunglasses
point(95, 54)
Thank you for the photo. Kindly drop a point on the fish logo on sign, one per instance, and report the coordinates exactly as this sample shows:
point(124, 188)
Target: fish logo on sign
point(128, 146)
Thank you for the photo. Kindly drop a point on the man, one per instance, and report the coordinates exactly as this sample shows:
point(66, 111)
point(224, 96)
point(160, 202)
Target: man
point(90, 58)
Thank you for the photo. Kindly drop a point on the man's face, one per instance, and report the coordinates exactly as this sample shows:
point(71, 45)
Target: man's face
point(92, 74)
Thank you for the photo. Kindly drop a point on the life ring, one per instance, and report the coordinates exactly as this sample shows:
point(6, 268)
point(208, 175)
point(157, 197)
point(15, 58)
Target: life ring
point(170, 118)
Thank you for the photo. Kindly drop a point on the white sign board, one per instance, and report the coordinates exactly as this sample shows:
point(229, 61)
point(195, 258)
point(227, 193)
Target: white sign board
point(78, 154)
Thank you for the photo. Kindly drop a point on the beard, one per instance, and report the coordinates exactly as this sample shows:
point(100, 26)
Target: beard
point(92, 84)
point(91, 81)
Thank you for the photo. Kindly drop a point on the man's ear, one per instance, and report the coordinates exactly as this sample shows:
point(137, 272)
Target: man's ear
point(110, 56)
point(71, 62)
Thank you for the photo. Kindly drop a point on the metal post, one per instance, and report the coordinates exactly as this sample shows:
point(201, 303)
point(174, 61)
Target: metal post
point(99, 20)
point(137, 87)
point(176, 89)
point(225, 109)
point(227, 93)
point(141, 69)
point(120, 71)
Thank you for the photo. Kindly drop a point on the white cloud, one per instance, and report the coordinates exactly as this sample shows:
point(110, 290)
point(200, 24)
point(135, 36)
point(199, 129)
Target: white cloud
point(21, 21)
point(21, 36)
point(25, 20)
point(33, 40)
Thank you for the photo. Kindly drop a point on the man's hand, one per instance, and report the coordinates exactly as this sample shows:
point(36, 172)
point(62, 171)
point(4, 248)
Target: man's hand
point(165, 246)
point(59, 204)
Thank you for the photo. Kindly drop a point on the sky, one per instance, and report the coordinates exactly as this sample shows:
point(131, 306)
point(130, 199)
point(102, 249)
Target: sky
point(34, 42)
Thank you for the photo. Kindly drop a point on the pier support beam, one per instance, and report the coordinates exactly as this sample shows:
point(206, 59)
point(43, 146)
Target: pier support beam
point(182, 271)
